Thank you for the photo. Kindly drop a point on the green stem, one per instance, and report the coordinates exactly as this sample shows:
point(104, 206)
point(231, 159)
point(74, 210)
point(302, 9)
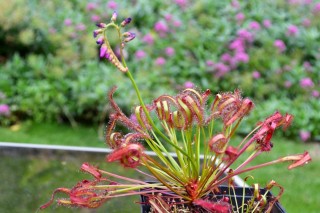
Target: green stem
point(151, 121)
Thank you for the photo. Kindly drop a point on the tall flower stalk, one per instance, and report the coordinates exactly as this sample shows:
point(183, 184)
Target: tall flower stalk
point(198, 131)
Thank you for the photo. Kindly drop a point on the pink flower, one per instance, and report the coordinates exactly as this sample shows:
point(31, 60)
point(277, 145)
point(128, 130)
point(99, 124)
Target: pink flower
point(235, 4)
point(209, 63)
point(112, 5)
point(221, 69)
point(148, 39)
point(188, 84)
point(306, 22)
point(67, 22)
point(181, 3)
point(169, 51)
point(161, 28)
point(254, 25)
point(160, 61)
point(237, 45)
point(292, 30)
point(226, 57)
point(267, 23)
point(241, 57)
point(293, 2)
point(140, 54)
point(304, 135)
point(316, 8)
point(134, 119)
point(168, 17)
point(81, 27)
point(95, 18)
point(287, 84)
point(306, 82)
point(91, 6)
point(307, 2)
point(4, 110)
point(315, 93)
point(177, 23)
point(240, 17)
point(307, 66)
point(246, 35)
point(280, 45)
point(256, 74)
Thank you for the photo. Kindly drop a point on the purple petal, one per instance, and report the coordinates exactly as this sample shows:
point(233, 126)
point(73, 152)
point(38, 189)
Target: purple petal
point(103, 51)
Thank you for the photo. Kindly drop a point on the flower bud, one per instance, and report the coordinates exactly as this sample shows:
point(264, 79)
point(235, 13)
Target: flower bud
point(97, 32)
point(101, 25)
point(100, 40)
point(125, 22)
point(130, 37)
point(114, 16)
point(103, 50)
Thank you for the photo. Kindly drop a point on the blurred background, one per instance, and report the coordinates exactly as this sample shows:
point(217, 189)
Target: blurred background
point(53, 86)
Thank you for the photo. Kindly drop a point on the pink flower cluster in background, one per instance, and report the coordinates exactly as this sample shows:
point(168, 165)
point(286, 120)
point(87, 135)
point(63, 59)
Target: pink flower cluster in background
point(280, 45)
point(161, 28)
point(306, 82)
point(238, 51)
point(4, 110)
point(148, 38)
point(140, 54)
point(188, 84)
point(112, 5)
point(292, 30)
point(256, 75)
point(267, 23)
point(160, 61)
point(304, 135)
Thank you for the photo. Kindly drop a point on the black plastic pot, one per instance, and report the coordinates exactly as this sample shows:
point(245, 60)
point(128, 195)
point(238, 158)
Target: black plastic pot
point(236, 196)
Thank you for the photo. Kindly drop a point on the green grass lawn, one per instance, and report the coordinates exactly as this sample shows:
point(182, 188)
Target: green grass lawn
point(53, 134)
point(30, 177)
point(28, 180)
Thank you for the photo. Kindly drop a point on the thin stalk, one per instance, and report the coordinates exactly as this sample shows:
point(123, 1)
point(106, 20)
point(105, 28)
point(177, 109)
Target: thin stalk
point(249, 169)
point(122, 177)
point(165, 183)
point(175, 176)
point(249, 159)
point(151, 121)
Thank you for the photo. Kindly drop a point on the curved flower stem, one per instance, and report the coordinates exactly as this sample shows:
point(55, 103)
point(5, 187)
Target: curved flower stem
point(138, 92)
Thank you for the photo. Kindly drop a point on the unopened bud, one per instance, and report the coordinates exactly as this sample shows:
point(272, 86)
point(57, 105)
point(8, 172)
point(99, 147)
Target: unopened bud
point(101, 25)
point(130, 37)
point(97, 32)
point(100, 40)
point(125, 22)
point(103, 50)
point(114, 16)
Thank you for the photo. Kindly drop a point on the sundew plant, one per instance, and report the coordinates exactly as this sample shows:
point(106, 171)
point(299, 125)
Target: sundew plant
point(197, 127)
